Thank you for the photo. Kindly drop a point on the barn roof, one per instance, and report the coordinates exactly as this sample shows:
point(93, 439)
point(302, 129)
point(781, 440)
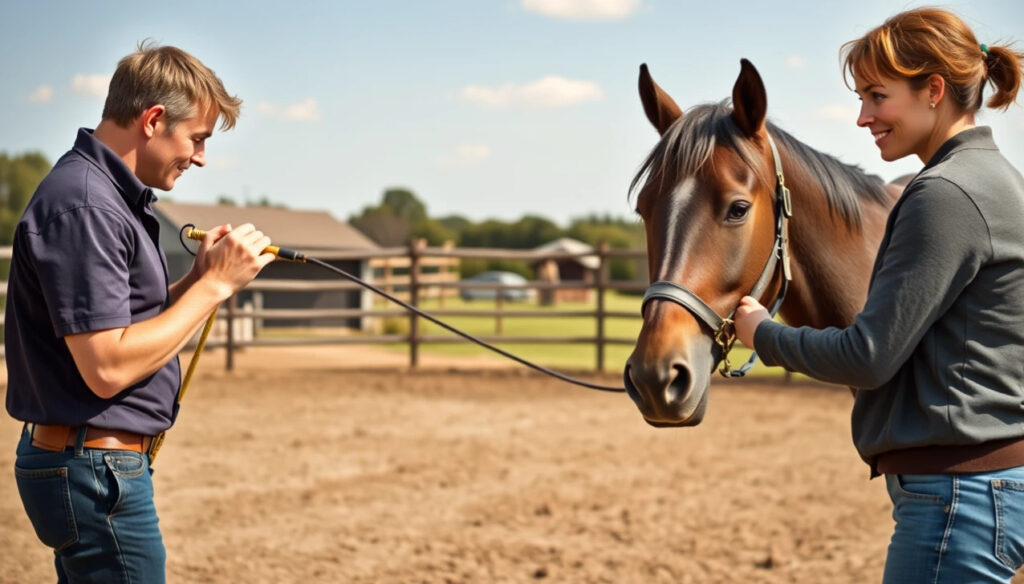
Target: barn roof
point(569, 245)
point(292, 228)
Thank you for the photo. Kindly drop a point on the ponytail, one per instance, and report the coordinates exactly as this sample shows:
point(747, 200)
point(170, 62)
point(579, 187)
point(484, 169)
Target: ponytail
point(1003, 66)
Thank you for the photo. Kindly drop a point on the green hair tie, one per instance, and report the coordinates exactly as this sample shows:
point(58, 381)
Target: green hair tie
point(984, 49)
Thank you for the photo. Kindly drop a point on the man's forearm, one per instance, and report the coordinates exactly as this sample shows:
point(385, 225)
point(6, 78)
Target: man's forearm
point(112, 360)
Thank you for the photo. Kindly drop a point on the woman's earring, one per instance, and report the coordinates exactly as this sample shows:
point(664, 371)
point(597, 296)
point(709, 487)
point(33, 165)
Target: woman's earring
point(932, 105)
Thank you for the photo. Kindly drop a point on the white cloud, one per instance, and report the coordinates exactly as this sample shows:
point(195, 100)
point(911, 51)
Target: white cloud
point(583, 9)
point(307, 110)
point(550, 91)
point(466, 154)
point(835, 111)
point(90, 85)
point(41, 94)
point(473, 152)
point(795, 62)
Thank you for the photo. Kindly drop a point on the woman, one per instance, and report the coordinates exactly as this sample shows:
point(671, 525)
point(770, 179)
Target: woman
point(937, 354)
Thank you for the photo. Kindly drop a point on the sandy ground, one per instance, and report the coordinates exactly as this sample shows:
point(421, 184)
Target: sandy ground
point(338, 465)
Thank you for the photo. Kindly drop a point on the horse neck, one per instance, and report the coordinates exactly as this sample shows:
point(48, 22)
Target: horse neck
point(831, 259)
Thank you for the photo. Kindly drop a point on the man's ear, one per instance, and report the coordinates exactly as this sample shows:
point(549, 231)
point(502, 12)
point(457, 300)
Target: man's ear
point(936, 88)
point(151, 118)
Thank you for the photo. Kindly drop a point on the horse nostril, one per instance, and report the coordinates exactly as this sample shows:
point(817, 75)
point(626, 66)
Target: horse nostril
point(631, 390)
point(679, 386)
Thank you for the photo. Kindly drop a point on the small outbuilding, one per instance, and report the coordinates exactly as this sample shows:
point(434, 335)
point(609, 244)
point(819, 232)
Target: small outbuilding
point(562, 270)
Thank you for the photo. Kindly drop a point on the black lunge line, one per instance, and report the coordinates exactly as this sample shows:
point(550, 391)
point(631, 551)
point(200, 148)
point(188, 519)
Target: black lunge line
point(193, 233)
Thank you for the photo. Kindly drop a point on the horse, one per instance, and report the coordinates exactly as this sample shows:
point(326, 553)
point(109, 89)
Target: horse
point(715, 195)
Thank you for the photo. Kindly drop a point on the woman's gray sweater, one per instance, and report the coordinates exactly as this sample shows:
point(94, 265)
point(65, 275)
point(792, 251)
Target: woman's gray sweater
point(938, 351)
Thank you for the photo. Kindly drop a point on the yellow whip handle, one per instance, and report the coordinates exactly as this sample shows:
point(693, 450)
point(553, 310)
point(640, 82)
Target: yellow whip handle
point(158, 441)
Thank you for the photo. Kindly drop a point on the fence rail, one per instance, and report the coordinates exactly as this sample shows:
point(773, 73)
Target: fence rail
point(414, 286)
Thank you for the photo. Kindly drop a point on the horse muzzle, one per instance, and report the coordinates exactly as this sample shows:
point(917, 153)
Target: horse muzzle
point(669, 391)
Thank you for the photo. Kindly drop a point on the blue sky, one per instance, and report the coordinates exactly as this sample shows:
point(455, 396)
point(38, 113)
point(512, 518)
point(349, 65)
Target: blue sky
point(484, 108)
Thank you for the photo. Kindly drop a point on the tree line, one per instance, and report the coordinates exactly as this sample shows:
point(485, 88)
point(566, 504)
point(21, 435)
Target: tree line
point(401, 216)
point(19, 177)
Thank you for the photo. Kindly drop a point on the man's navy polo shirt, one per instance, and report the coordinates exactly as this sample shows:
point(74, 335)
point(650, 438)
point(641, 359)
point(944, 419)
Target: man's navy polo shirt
point(86, 258)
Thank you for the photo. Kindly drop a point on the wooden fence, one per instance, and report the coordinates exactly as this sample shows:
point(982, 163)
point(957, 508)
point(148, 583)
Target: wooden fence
point(413, 285)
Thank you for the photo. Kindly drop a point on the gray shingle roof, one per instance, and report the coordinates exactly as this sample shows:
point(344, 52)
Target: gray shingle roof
point(569, 245)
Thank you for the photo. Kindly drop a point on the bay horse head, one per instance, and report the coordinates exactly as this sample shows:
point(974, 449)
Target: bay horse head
point(715, 205)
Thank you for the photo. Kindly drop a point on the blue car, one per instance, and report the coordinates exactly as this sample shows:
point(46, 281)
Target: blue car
point(503, 278)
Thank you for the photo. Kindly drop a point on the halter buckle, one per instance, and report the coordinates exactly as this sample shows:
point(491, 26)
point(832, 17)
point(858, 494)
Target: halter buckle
point(725, 338)
point(787, 202)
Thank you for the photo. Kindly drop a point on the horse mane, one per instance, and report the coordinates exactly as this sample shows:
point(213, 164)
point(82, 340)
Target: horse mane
point(688, 144)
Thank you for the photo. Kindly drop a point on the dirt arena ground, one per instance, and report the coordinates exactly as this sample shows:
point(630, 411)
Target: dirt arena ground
point(342, 466)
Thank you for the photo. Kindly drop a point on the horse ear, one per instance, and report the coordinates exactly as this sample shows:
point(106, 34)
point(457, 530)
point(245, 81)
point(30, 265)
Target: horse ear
point(661, 109)
point(749, 100)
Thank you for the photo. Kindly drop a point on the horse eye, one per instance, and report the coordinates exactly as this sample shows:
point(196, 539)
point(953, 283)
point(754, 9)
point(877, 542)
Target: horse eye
point(738, 211)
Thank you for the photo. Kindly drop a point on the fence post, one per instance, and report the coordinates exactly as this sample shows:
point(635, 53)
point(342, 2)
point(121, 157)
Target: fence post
point(415, 251)
point(443, 269)
point(229, 354)
point(602, 277)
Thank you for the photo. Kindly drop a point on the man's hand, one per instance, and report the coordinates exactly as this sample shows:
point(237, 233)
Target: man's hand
point(231, 258)
point(748, 315)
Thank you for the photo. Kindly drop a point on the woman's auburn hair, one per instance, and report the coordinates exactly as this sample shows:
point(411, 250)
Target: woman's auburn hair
point(917, 44)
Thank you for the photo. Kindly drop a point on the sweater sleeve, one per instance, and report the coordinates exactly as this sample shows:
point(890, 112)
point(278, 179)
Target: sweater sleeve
point(938, 242)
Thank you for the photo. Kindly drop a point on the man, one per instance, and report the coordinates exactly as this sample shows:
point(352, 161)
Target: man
point(93, 328)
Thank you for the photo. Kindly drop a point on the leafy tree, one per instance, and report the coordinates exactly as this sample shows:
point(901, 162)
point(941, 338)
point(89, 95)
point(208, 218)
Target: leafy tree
point(399, 217)
point(526, 233)
point(455, 223)
point(19, 177)
point(382, 226)
point(403, 203)
point(532, 231)
point(434, 232)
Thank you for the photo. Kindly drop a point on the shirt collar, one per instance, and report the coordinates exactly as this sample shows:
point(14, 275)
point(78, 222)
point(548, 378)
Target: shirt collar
point(976, 137)
point(131, 188)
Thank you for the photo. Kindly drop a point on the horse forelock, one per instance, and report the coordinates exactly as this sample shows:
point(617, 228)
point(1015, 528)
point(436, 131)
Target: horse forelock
point(687, 146)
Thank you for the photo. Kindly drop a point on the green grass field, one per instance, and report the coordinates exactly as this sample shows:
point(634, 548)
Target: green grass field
point(571, 356)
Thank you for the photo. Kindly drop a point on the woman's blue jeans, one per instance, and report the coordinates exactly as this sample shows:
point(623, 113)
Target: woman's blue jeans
point(956, 528)
point(95, 509)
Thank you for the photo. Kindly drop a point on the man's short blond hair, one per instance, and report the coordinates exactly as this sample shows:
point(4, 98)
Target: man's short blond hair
point(170, 77)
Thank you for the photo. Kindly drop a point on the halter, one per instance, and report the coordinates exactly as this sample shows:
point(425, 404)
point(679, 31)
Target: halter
point(724, 332)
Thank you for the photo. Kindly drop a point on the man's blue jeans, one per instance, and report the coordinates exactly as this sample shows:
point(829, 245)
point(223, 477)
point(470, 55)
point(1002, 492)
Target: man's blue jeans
point(956, 528)
point(95, 509)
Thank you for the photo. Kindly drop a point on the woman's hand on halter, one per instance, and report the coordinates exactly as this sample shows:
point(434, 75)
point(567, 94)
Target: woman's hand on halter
point(749, 314)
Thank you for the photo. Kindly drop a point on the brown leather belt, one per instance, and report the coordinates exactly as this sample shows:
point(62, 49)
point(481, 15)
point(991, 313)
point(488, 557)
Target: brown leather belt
point(57, 438)
point(984, 457)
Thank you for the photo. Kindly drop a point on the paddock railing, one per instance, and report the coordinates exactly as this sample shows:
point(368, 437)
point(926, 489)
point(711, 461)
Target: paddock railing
point(242, 326)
